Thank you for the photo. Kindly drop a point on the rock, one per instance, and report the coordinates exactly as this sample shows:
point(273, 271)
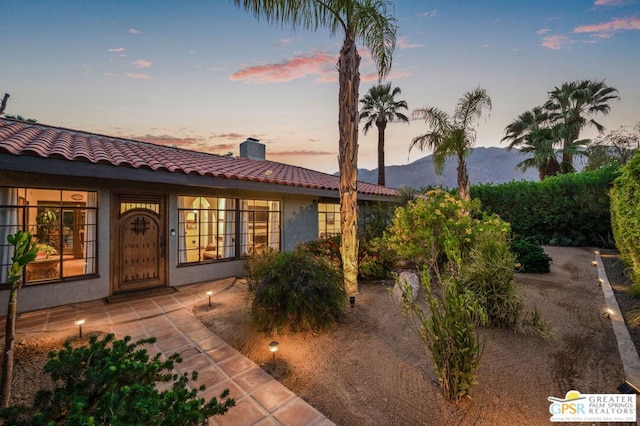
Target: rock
point(406, 278)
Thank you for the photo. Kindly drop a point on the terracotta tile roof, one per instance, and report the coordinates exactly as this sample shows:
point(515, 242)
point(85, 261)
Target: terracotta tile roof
point(21, 138)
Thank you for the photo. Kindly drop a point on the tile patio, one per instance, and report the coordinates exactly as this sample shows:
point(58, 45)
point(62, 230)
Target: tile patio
point(260, 399)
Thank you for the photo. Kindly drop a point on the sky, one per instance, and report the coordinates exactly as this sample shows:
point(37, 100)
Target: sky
point(205, 75)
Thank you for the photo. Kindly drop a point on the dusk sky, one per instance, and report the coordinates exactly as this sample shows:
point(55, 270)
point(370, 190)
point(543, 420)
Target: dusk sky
point(204, 75)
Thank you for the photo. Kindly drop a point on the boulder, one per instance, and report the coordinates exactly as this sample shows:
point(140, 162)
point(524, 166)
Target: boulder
point(406, 278)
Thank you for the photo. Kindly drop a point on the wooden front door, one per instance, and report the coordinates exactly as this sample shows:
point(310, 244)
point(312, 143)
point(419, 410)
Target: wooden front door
point(138, 243)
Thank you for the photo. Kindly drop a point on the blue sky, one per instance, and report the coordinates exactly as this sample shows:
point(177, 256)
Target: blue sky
point(205, 75)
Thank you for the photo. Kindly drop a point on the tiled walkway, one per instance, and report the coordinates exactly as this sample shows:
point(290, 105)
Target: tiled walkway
point(260, 399)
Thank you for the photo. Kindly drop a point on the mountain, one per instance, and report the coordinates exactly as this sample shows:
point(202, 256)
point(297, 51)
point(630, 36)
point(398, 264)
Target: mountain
point(485, 165)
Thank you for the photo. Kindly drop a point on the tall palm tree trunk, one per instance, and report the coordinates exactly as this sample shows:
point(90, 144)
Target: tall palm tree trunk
point(381, 125)
point(464, 185)
point(348, 119)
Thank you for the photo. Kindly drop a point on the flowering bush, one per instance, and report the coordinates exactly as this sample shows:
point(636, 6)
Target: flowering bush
point(375, 259)
point(419, 230)
point(327, 248)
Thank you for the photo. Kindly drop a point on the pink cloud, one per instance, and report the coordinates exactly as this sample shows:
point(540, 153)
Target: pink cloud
point(402, 43)
point(230, 136)
point(371, 77)
point(284, 41)
point(610, 2)
point(543, 31)
point(116, 49)
point(138, 76)
point(556, 42)
point(134, 31)
point(297, 67)
point(615, 25)
point(166, 140)
point(299, 152)
point(141, 63)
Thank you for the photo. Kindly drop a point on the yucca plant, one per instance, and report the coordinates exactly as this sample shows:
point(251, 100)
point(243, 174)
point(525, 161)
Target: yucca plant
point(449, 332)
point(488, 273)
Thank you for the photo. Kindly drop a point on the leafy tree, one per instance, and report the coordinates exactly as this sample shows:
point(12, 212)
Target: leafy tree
point(380, 107)
point(617, 147)
point(571, 107)
point(25, 250)
point(530, 132)
point(372, 23)
point(453, 135)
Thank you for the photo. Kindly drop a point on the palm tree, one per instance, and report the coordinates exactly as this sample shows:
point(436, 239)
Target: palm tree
point(571, 107)
point(543, 157)
point(380, 107)
point(533, 135)
point(453, 135)
point(371, 22)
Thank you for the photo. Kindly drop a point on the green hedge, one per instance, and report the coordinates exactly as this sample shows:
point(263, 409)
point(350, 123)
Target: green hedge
point(625, 215)
point(567, 210)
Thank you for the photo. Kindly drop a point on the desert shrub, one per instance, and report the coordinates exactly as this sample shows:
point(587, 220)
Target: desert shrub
point(327, 248)
point(418, 230)
point(257, 265)
point(298, 291)
point(114, 382)
point(530, 256)
point(375, 259)
point(488, 273)
point(449, 332)
point(532, 323)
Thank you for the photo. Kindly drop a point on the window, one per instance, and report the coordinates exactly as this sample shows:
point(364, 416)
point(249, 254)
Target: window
point(260, 225)
point(212, 228)
point(207, 229)
point(64, 224)
point(328, 220)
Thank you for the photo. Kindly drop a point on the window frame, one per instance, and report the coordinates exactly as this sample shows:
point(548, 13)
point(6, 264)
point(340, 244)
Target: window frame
point(74, 236)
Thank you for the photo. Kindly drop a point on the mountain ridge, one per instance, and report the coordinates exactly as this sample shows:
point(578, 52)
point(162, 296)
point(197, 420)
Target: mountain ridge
point(484, 164)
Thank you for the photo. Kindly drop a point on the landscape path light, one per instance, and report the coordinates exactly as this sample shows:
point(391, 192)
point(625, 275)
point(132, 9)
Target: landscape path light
point(273, 348)
point(209, 293)
point(79, 323)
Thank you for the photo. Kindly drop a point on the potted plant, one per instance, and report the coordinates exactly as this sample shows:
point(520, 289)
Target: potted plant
point(45, 250)
point(48, 221)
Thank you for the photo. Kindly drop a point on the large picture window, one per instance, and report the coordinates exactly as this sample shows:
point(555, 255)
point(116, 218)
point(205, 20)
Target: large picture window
point(64, 223)
point(212, 229)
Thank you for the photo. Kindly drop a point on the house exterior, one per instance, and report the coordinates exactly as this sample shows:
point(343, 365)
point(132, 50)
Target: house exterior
point(114, 216)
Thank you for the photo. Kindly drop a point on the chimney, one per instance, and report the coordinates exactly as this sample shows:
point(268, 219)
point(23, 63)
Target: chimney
point(252, 149)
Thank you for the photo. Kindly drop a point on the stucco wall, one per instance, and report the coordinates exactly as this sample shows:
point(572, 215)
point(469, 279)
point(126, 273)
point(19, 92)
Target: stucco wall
point(299, 223)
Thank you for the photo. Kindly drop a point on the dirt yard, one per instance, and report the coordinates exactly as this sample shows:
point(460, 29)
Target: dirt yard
point(372, 370)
